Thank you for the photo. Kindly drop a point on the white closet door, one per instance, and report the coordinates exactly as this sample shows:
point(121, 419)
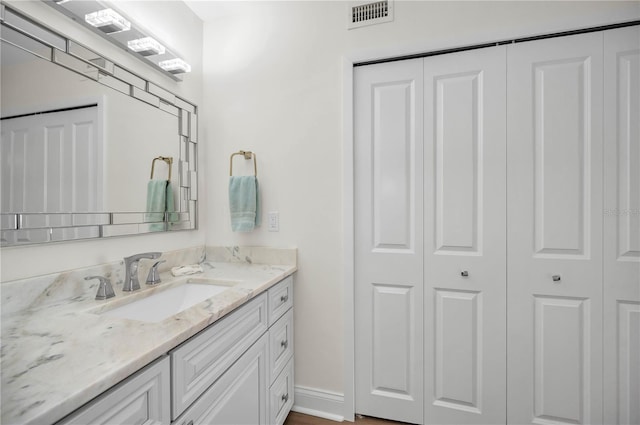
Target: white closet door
point(389, 240)
point(554, 231)
point(465, 259)
point(622, 226)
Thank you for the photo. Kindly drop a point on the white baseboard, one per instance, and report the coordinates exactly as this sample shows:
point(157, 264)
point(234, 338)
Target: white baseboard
point(320, 403)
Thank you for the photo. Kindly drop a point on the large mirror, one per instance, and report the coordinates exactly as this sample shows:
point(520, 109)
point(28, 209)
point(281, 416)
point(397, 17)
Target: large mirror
point(88, 149)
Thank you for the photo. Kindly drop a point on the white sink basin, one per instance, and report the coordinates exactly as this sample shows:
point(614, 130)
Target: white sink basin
point(160, 305)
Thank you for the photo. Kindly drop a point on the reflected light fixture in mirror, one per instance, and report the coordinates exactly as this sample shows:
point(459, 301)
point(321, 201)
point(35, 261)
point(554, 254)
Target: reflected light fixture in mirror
point(105, 19)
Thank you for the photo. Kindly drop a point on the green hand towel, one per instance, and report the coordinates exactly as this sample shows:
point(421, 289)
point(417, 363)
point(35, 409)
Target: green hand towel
point(243, 203)
point(170, 206)
point(159, 202)
point(156, 200)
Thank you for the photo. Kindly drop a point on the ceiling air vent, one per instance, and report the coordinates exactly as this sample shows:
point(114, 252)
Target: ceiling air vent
point(362, 13)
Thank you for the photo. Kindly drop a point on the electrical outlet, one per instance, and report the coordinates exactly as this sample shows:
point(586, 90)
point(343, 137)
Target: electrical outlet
point(274, 221)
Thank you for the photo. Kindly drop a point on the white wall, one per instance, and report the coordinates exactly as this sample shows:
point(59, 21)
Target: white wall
point(273, 83)
point(163, 19)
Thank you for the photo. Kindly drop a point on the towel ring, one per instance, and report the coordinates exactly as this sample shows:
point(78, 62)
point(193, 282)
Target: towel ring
point(167, 159)
point(247, 155)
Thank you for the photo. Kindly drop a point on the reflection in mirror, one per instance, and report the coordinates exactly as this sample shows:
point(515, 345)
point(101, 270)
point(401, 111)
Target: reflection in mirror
point(71, 144)
point(78, 149)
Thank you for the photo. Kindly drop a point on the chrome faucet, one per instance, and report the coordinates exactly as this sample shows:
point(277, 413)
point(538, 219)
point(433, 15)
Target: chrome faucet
point(131, 282)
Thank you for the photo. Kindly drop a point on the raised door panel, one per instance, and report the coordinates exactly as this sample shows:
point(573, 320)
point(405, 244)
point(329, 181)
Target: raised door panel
point(388, 240)
point(626, 409)
point(458, 366)
point(281, 395)
point(465, 260)
point(239, 396)
point(281, 344)
point(280, 299)
point(562, 358)
point(392, 345)
point(141, 399)
point(199, 362)
point(562, 158)
point(555, 207)
point(622, 226)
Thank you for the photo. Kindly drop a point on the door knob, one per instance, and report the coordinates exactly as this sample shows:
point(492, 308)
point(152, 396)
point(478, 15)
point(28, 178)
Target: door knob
point(556, 278)
point(464, 273)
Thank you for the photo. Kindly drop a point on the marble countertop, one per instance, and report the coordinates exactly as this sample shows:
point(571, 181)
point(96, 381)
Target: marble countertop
point(58, 357)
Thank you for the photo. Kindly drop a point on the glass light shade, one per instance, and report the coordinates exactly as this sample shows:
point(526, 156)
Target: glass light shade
point(175, 66)
point(146, 46)
point(108, 20)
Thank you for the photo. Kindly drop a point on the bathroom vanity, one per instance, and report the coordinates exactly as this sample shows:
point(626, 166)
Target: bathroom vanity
point(227, 359)
point(238, 370)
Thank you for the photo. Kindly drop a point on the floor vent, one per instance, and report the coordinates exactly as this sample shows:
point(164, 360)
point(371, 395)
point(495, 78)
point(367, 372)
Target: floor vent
point(369, 13)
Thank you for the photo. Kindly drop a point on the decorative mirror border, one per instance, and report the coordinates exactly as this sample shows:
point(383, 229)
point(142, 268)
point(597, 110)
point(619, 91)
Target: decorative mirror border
point(33, 228)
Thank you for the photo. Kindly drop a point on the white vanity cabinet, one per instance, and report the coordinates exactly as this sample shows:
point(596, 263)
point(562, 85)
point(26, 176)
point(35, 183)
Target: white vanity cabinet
point(239, 370)
point(143, 398)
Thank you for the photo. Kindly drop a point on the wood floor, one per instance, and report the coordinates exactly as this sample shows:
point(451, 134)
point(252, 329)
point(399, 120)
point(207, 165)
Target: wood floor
point(295, 418)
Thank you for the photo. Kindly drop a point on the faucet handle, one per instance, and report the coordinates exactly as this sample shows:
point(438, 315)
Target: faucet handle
point(154, 278)
point(105, 290)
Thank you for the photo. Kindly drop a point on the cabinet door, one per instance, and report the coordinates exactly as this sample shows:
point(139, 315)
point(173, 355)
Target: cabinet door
point(140, 399)
point(465, 262)
point(239, 396)
point(389, 241)
point(622, 226)
point(554, 230)
point(199, 362)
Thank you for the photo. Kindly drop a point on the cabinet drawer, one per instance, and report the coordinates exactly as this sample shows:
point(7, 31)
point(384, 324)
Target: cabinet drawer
point(239, 396)
point(143, 398)
point(281, 343)
point(203, 359)
point(281, 396)
point(280, 299)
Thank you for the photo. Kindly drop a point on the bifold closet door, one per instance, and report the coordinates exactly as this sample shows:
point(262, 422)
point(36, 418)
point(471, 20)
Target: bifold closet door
point(389, 259)
point(622, 226)
point(554, 231)
point(465, 215)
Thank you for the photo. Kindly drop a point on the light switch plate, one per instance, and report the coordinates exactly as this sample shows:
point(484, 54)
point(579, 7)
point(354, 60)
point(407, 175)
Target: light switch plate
point(273, 218)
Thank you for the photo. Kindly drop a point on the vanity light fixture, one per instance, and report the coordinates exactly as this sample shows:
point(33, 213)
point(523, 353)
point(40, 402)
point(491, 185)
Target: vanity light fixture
point(146, 46)
point(108, 21)
point(104, 18)
point(175, 66)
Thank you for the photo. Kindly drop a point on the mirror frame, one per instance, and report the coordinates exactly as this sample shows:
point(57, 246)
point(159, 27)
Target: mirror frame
point(26, 228)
